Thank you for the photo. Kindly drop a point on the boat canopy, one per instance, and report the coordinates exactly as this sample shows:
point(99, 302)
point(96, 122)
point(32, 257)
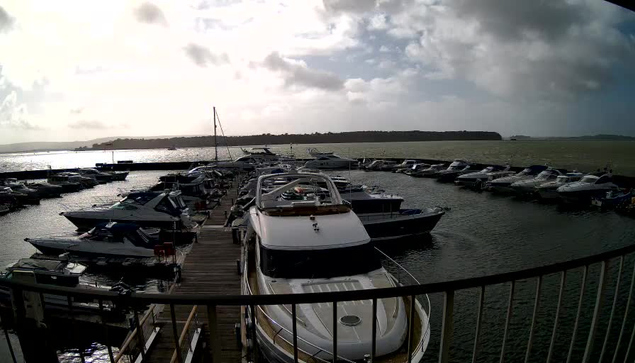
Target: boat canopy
point(310, 232)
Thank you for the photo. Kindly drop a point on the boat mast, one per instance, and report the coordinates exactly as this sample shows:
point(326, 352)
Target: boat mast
point(215, 141)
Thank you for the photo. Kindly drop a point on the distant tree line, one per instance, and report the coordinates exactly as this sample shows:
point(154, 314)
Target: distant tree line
point(315, 138)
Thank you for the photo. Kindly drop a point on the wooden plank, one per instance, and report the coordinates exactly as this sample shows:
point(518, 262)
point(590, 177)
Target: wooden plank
point(209, 269)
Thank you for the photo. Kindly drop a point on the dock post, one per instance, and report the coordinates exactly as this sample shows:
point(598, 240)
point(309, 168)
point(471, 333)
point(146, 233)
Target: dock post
point(34, 341)
point(214, 335)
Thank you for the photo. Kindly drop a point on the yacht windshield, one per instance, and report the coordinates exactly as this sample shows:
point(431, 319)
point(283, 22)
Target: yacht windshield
point(544, 175)
point(589, 179)
point(489, 169)
point(309, 264)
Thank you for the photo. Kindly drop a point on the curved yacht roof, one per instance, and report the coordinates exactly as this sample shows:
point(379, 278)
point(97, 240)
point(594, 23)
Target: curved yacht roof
point(299, 233)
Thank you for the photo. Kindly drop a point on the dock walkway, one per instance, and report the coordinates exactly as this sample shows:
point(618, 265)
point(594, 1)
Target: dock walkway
point(211, 269)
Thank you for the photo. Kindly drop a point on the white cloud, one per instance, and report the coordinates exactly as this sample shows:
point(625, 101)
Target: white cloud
point(158, 67)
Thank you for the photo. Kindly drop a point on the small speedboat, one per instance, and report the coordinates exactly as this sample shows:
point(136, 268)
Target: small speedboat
point(328, 160)
point(456, 169)
point(528, 186)
point(400, 224)
point(46, 190)
point(404, 166)
point(430, 172)
point(166, 211)
point(549, 190)
point(503, 185)
point(478, 179)
point(416, 168)
point(100, 177)
point(65, 182)
point(613, 199)
point(117, 175)
point(31, 196)
point(106, 239)
point(584, 190)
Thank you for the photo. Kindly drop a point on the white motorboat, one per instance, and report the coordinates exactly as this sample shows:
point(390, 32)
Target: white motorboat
point(549, 190)
point(165, 210)
point(32, 196)
point(528, 186)
point(456, 169)
point(258, 154)
point(503, 185)
point(429, 172)
point(106, 239)
point(588, 187)
point(305, 246)
point(97, 175)
point(65, 182)
point(417, 168)
point(404, 166)
point(381, 165)
point(479, 178)
point(328, 160)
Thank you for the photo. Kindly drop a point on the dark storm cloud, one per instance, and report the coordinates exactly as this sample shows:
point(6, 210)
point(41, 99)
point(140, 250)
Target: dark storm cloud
point(6, 20)
point(202, 56)
point(150, 14)
point(297, 74)
point(511, 19)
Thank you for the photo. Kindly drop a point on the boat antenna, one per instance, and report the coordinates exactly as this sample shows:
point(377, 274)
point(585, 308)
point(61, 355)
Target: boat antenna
point(215, 142)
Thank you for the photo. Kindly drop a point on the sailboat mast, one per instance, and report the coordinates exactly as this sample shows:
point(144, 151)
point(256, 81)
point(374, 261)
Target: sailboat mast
point(215, 140)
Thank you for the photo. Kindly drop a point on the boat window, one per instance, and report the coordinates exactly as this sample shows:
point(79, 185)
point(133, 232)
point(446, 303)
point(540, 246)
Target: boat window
point(544, 175)
point(489, 169)
point(603, 179)
point(327, 263)
point(589, 179)
point(167, 206)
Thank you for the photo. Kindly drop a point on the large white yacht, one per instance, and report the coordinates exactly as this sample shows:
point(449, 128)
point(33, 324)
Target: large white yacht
point(588, 187)
point(320, 245)
point(328, 160)
point(503, 185)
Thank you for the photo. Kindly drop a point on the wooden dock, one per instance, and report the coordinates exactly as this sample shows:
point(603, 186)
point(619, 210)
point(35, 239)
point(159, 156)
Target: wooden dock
point(210, 268)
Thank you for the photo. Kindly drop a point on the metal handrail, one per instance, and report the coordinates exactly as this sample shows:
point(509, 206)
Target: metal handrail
point(132, 335)
point(186, 327)
point(323, 297)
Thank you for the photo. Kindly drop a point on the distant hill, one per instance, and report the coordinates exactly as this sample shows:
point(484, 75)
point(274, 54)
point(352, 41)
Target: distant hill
point(51, 146)
point(315, 138)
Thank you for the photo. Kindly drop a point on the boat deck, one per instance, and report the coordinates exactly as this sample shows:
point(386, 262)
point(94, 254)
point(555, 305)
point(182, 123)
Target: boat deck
point(210, 268)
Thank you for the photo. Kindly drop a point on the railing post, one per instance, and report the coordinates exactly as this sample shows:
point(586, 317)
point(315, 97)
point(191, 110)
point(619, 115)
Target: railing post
point(577, 315)
point(477, 335)
point(599, 300)
point(140, 338)
point(447, 326)
point(617, 291)
point(9, 345)
point(294, 324)
point(533, 319)
point(563, 280)
point(177, 346)
point(411, 321)
point(628, 304)
point(334, 331)
point(254, 342)
point(373, 348)
point(510, 306)
point(106, 333)
point(69, 300)
point(214, 334)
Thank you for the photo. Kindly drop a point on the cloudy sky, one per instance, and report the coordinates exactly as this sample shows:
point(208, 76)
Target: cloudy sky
point(75, 70)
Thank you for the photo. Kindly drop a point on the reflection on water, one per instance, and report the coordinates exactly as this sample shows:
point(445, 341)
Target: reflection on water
point(581, 155)
point(95, 353)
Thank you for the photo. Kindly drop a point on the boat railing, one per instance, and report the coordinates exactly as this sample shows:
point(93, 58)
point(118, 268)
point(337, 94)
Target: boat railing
point(602, 316)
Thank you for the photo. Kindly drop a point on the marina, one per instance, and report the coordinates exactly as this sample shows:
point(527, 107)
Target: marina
point(422, 255)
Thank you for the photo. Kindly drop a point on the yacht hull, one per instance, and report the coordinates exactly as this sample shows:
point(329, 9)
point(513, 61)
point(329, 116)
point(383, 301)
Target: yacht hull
point(168, 233)
point(388, 226)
